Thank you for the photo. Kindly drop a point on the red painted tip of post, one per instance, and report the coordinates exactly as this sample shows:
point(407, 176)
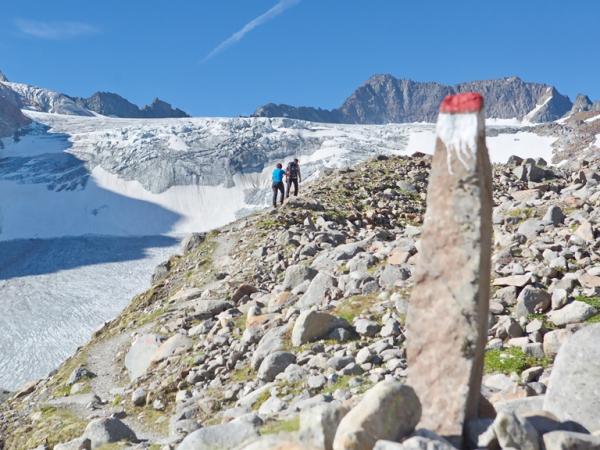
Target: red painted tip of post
point(467, 102)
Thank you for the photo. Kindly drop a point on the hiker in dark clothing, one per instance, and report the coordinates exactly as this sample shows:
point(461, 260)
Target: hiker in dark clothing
point(278, 174)
point(293, 176)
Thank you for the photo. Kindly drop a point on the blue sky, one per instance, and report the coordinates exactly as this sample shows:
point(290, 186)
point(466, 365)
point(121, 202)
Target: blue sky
point(226, 57)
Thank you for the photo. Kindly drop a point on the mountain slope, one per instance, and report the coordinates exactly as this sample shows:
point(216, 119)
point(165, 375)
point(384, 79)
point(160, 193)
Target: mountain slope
point(385, 99)
point(11, 117)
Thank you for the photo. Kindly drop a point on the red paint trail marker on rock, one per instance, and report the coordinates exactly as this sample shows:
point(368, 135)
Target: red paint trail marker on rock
point(448, 310)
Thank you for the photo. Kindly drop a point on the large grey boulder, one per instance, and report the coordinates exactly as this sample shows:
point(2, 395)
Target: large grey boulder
point(573, 390)
point(318, 289)
point(569, 440)
point(313, 325)
point(274, 364)
point(297, 274)
point(415, 443)
point(554, 215)
point(574, 312)
point(220, 437)
point(172, 346)
point(319, 424)
point(390, 410)
point(272, 341)
point(532, 300)
point(139, 356)
point(106, 431)
point(206, 309)
point(514, 432)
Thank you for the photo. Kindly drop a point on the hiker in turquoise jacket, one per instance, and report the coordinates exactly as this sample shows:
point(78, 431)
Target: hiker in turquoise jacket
point(278, 174)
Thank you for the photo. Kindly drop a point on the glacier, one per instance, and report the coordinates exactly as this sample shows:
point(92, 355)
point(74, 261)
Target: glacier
point(89, 205)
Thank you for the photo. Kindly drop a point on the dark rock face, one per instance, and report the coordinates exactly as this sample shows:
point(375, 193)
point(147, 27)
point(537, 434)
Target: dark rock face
point(11, 117)
point(301, 112)
point(159, 109)
point(582, 103)
point(385, 99)
point(110, 104)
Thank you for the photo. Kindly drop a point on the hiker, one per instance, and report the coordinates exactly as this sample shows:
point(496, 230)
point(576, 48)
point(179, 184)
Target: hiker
point(293, 176)
point(278, 174)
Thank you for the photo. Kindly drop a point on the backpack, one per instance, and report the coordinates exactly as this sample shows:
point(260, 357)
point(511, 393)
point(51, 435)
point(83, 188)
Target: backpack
point(292, 170)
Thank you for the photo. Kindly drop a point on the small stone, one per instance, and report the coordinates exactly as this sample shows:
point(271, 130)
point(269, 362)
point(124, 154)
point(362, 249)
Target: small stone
point(554, 215)
point(366, 327)
point(316, 382)
point(138, 397)
point(559, 298)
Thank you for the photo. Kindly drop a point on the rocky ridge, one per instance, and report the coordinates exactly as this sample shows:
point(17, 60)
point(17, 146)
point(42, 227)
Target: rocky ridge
point(34, 98)
point(386, 99)
point(113, 105)
point(290, 324)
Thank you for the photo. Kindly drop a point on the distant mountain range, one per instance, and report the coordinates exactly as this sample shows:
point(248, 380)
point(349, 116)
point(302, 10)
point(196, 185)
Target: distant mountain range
point(25, 96)
point(386, 99)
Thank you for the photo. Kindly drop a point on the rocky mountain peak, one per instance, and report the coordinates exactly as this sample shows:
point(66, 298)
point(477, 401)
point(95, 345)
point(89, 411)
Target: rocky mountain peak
point(582, 103)
point(386, 99)
point(159, 108)
point(3, 77)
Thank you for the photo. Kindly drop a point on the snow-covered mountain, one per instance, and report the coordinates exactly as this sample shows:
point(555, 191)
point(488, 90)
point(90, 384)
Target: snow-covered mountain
point(39, 99)
point(386, 99)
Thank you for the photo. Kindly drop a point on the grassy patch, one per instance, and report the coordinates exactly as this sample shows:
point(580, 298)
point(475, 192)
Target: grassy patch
point(543, 318)
point(521, 213)
point(281, 426)
point(243, 374)
point(56, 425)
point(268, 223)
point(351, 307)
point(263, 397)
point(510, 360)
point(592, 301)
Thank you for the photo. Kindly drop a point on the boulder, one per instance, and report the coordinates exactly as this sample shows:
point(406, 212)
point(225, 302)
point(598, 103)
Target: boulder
point(554, 215)
point(514, 432)
point(219, 437)
point(106, 431)
point(569, 440)
point(139, 356)
point(297, 274)
point(319, 288)
point(574, 312)
point(274, 364)
point(192, 241)
point(532, 300)
point(573, 392)
point(172, 346)
point(319, 424)
point(206, 309)
point(390, 410)
point(313, 325)
point(272, 341)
